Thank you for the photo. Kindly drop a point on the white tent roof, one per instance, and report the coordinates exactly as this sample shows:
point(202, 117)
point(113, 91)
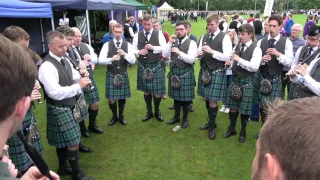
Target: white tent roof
point(165, 6)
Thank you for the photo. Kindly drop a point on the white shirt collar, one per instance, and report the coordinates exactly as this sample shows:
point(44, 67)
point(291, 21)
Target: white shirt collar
point(248, 43)
point(144, 32)
point(54, 56)
point(315, 48)
point(186, 37)
point(277, 38)
point(216, 33)
point(114, 40)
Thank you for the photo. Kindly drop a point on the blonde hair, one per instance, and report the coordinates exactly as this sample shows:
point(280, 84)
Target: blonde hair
point(235, 37)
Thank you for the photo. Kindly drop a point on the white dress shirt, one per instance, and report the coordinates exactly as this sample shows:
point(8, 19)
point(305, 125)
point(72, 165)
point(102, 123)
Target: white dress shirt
point(307, 80)
point(286, 58)
point(191, 55)
point(226, 47)
point(296, 58)
point(157, 49)
point(49, 77)
point(103, 57)
point(255, 61)
point(130, 30)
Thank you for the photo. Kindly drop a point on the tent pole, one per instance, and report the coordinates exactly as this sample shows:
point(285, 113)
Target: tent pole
point(42, 38)
point(112, 14)
point(52, 22)
point(127, 13)
point(88, 27)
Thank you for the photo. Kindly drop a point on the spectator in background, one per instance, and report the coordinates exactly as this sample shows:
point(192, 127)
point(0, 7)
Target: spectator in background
point(140, 24)
point(308, 24)
point(223, 26)
point(288, 25)
point(251, 19)
point(109, 36)
point(133, 24)
point(128, 30)
point(235, 24)
point(257, 25)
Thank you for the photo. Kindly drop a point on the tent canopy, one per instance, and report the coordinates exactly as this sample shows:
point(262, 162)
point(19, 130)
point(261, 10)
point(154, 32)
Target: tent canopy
point(20, 9)
point(139, 5)
point(165, 6)
point(88, 4)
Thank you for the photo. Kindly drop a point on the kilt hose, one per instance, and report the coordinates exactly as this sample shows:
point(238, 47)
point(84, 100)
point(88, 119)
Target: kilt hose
point(244, 105)
point(92, 96)
point(157, 85)
point(17, 152)
point(62, 129)
point(216, 90)
point(276, 92)
point(117, 93)
point(186, 90)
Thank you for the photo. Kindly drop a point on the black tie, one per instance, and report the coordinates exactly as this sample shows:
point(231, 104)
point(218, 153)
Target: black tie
point(147, 33)
point(271, 43)
point(211, 37)
point(64, 64)
point(310, 51)
point(242, 49)
point(118, 44)
point(179, 44)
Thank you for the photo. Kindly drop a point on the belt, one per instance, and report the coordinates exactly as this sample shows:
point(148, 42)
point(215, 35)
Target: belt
point(60, 108)
point(159, 65)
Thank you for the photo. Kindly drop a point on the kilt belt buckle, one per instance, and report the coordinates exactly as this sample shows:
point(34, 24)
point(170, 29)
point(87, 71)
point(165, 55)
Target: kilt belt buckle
point(148, 74)
point(237, 91)
point(175, 80)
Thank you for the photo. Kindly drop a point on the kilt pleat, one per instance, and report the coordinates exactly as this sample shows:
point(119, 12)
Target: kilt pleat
point(92, 96)
point(116, 93)
point(244, 105)
point(216, 90)
point(292, 89)
point(62, 129)
point(186, 90)
point(17, 151)
point(157, 85)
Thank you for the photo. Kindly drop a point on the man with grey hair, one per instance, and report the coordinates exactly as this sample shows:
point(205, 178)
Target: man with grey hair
point(109, 36)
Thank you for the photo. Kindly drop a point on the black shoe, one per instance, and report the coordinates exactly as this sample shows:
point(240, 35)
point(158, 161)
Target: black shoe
point(229, 133)
point(85, 134)
point(84, 149)
point(211, 134)
point(64, 171)
point(122, 121)
point(95, 129)
point(191, 108)
point(81, 176)
point(204, 127)
point(242, 137)
point(147, 117)
point(172, 107)
point(113, 121)
point(173, 121)
point(185, 123)
point(256, 136)
point(158, 116)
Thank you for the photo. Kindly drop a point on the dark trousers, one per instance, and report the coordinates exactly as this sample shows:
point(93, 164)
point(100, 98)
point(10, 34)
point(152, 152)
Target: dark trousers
point(285, 83)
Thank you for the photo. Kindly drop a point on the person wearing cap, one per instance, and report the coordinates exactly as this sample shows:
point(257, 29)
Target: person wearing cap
point(109, 36)
point(305, 54)
point(251, 19)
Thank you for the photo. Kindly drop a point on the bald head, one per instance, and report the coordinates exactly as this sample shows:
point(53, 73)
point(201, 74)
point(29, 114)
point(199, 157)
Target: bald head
point(77, 36)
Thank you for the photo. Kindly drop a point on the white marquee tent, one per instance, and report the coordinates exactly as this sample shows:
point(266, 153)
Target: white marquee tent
point(164, 10)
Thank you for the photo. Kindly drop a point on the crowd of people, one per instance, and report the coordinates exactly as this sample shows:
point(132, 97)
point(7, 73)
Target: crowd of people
point(243, 63)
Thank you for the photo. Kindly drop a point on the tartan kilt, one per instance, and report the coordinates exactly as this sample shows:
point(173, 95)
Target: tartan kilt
point(92, 96)
point(115, 93)
point(276, 92)
point(292, 89)
point(216, 90)
point(62, 129)
point(244, 105)
point(256, 84)
point(17, 152)
point(157, 85)
point(186, 90)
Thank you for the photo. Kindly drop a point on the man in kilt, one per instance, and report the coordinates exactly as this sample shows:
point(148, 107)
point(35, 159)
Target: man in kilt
point(276, 53)
point(18, 74)
point(17, 151)
point(116, 54)
point(77, 65)
point(306, 54)
point(183, 52)
point(215, 47)
point(60, 89)
point(89, 58)
point(245, 62)
point(148, 44)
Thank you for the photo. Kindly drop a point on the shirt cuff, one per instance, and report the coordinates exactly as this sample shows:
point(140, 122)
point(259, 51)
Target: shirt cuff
point(306, 79)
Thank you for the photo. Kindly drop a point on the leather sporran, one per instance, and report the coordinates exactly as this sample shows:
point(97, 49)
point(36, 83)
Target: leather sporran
point(265, 87)
point(206, 77)
point(175, 81)
point(118, 81)
point(80, 109)
point(236, 92)
point(32, 132)
point(148, 75)
point(302, 92)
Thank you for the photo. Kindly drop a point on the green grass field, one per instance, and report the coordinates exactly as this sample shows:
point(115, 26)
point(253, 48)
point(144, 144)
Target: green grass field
point(150, 150)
